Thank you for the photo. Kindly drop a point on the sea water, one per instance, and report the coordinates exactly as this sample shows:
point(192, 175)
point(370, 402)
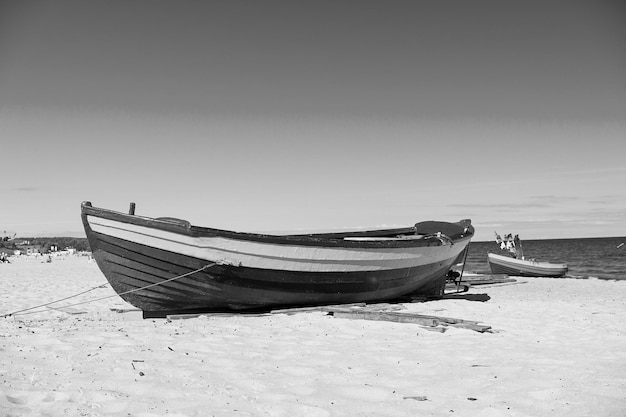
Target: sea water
point(601, 258)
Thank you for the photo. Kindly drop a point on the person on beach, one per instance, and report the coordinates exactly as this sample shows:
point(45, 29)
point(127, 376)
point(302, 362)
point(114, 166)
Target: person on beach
point(500, 241)
point(519, 252)
point(508, 243)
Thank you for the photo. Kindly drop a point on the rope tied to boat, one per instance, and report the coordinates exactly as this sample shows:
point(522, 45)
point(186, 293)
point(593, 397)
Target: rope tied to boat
point(27, 310)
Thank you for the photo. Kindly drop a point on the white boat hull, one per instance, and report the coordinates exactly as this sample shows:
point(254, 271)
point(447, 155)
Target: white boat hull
point(500, 264)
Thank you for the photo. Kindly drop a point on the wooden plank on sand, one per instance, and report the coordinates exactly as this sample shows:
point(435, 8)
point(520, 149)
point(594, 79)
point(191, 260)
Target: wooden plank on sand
point(185, 316)
point(385, 316)
point(124, 310)
point(488, 280)
point(424, 320)
point(328, 308)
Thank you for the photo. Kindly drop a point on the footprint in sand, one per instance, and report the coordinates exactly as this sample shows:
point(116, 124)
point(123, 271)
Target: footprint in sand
point(16, 400)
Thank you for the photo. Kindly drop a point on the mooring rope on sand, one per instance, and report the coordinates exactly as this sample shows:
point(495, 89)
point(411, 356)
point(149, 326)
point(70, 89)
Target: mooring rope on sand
point(52, 302)
point(26, 311)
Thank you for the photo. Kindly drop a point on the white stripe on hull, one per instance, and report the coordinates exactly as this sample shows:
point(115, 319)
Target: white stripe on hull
point(277, 256)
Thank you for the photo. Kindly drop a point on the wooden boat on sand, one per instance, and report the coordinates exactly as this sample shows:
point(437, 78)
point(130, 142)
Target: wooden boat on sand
point(165, 265)
point(501, 264)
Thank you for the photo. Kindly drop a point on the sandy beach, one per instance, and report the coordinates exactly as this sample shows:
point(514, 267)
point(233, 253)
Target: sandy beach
point(557, 348)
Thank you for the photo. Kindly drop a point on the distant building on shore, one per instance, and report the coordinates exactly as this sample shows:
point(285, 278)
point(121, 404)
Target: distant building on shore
point(30, 249)
point(22, 247)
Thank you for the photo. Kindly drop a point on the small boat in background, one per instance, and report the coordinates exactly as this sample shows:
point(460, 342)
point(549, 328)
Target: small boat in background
point(516, 264)
point(167, 266)
point(503, 264)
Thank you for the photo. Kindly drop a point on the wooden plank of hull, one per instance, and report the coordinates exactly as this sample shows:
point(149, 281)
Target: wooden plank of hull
point(227, 287)
point(517, 267)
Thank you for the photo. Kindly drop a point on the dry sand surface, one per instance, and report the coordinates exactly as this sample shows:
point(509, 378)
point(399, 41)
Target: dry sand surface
point(558, 348)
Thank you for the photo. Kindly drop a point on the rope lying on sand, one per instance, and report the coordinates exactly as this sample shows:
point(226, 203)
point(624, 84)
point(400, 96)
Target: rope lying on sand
point(27, 310)
point(52, 302)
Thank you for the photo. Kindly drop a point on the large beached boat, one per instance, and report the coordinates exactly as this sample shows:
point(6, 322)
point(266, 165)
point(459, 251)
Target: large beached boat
point(165, 265)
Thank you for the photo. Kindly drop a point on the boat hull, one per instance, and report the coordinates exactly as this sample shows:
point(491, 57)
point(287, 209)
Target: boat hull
point(526, 268)
point(167, 266)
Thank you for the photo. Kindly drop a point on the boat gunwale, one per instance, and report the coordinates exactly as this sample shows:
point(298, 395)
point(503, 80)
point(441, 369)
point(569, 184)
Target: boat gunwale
point(183, 227)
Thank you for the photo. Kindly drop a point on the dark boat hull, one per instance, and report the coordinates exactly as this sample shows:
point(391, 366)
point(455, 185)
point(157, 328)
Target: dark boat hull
point(166, 266)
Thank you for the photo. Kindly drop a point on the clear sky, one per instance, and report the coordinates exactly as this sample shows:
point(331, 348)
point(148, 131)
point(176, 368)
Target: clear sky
point(305, 115)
